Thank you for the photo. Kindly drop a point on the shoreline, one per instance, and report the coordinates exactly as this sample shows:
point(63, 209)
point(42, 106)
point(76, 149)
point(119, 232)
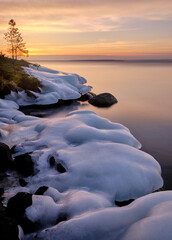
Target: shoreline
point(84, 155)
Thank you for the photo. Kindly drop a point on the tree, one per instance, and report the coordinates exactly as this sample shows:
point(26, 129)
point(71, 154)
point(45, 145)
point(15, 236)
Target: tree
point(1, 53)
point(15, 41)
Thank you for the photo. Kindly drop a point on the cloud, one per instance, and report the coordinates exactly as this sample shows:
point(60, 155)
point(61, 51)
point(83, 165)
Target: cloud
point(80, 15)
point(64, 21)
point(68, 9)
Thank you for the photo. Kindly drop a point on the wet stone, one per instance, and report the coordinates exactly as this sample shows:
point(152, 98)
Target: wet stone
point(22, 182)
point(6, 161)
point(24, 164)
point(52, 161)
point(62, 217)
point(60, 168)
point(16, 209)
point(124, 203)
point(41, 190)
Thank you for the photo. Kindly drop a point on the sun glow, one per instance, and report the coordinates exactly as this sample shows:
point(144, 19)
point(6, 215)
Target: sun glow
point(74, 27)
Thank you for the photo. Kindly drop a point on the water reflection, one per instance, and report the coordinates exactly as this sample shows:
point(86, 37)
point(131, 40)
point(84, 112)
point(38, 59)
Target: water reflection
point(52, 112)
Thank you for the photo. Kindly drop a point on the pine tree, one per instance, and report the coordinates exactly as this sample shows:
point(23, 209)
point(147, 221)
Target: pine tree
point(16, 45)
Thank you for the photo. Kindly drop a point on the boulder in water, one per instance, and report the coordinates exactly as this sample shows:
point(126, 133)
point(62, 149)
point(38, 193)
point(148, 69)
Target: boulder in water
point(103, 100)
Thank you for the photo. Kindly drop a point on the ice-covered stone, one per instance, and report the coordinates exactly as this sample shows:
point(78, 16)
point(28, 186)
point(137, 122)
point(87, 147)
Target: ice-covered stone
point(146, 218)
point(55, 86)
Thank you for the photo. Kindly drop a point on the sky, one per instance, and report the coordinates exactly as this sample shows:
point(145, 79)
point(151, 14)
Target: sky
point(112, 29)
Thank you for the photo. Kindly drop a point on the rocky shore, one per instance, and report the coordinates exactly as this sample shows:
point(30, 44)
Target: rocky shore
point(77, 177)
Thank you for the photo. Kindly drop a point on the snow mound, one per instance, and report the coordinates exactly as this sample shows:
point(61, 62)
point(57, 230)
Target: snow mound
point(72, 203)
point(146, 218)
point(55, 86)
point(100, 163)
point(121, 171)
point(5, 104)
point(96, 154)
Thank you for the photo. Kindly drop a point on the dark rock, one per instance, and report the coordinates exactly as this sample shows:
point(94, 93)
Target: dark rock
point(2, 176)
point(6, 161)
point(13, 149)
point(30, 94)
point(103, 100)
point(124, 203)
point(22, 182)
point(48, 106)
point(19, 89)
point(28, 226)
point(16, 205)
point(16, 209)
point(7, 90)
point(52, 161)
point(8, 226)
point(62, 217)
point(87, 96)
point(1, 192)
point(24, 164)
point(60, 168)
point(41, 190)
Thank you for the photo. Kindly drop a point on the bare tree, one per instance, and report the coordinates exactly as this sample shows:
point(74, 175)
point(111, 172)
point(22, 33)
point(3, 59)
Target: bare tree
point(16, 45)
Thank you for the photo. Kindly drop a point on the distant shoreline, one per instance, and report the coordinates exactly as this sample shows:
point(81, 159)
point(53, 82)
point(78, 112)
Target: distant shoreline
point(108, 60)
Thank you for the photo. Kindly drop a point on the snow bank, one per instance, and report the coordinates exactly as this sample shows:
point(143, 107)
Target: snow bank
point(102, 164)
point(146, 218)
point(55, 86)
point(97, 154)
point(72, 203)
point(5, 104)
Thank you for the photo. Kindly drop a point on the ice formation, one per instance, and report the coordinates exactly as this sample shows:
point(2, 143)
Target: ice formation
point(102, 164)
point(55, 86)
point(97, 154)
point(146, 218)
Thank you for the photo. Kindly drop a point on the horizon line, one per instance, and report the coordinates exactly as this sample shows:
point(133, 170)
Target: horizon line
point(101, 60)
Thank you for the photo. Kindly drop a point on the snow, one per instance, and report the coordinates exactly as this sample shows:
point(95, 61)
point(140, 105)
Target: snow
point(97, 154)
point(74, 202)
point(8, 104)
point(20, 233)
point(146, 218)
point(43, 209)
point(55, 86)
point(103, 163)
point(119, 170)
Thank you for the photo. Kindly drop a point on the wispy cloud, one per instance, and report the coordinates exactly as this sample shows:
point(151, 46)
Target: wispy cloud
point(110, 48)
point(79, 15)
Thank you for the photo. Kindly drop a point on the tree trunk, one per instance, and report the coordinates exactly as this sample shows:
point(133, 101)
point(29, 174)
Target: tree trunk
point(16, 54)
point(12, 52)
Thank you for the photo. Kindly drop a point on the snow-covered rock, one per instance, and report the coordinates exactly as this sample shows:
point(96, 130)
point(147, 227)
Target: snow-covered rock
point(55, 86)
point(72, 203)
point(146, 218)
point(97, 154)
point(102, 164)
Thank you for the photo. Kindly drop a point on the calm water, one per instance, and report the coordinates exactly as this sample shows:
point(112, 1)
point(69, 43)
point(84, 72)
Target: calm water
point(144, 92)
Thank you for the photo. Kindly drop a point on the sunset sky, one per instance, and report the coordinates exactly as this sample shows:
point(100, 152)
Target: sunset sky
point(104, 28)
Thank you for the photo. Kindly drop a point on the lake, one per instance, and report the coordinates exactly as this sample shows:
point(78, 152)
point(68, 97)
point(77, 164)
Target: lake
point(144, 92)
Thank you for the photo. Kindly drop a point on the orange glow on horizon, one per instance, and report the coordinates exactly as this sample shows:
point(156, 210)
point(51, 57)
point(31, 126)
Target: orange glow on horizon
point(123, 28)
